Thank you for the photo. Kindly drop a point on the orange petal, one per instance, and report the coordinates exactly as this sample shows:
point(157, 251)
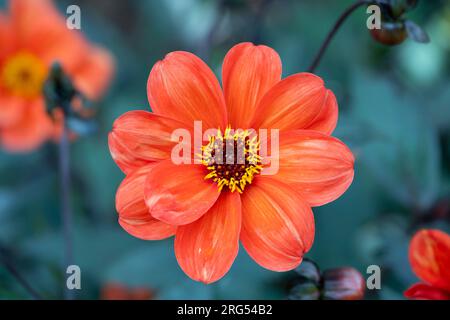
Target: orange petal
point(300, 101)
point(134, 216)
point(41, 29)
point(33, 129)
point(94, 74)
point(11, 110)
point(141, 137)
point(179, 194)
point(421, 291)
point(6, 37)
point(183, 87)
point(429, 255)
point(318, 166)
point(327, 118)
point(249, 71)
point(277, 224)
point(206, 248)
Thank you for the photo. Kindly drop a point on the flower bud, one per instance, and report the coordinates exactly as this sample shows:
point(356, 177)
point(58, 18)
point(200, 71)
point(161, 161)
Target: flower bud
point(309, 270)
point(390, 33)
point(343, 284)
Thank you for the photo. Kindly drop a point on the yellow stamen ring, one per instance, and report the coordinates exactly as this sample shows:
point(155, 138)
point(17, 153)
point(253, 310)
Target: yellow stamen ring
point(232, 159)
point(23, 75)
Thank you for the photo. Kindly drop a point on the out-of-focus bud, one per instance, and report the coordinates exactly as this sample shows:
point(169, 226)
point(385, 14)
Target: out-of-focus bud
point(305, 290)
point(309, 270)
point(343, 284)
point(64, 101)
point(391, 33)
point(58, 90)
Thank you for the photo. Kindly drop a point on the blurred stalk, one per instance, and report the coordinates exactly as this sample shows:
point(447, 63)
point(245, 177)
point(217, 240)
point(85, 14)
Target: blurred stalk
point(66, 211)
point(333, 32)
point(59, 93)
point(9, 265)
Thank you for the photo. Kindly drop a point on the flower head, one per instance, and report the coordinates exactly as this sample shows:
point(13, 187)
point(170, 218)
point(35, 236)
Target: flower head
point(226, 197)
point(33, 36)
point(429, 255)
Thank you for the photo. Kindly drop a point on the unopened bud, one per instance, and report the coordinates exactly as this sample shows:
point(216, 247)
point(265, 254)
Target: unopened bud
point(390, 33)
point(343, 284)
point(309, 270)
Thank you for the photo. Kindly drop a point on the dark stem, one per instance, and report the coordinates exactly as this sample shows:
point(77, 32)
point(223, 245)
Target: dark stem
point(66, 212)
point(16, 274)
point(334, 30)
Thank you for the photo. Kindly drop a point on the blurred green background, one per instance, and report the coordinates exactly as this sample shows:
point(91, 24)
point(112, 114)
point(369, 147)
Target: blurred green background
point(394, 114)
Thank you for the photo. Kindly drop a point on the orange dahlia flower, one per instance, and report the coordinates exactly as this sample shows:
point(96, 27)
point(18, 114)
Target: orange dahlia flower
point(429, 255)
point(33, 35)
point(211, 207)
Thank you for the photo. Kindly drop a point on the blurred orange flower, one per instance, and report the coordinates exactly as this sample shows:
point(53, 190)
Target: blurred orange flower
point(209, 208)
point(117, 291)
point(33, 35)
point(429, 255)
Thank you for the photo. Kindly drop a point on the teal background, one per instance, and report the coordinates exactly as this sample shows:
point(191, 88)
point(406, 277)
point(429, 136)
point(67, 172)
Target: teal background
point(394, 114)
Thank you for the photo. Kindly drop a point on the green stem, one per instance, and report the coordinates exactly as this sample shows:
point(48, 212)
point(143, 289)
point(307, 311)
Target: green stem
point(66, 212)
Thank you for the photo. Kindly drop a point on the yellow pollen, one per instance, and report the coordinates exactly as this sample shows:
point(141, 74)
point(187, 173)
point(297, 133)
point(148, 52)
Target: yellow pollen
point(232, 159)
point(23, 75)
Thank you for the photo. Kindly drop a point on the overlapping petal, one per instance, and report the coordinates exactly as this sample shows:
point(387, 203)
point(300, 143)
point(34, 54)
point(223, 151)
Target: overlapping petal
point(179, 194)
point(134, 215)
point(327, 118)
point(277, 224)
point(184, 88)
point(30, 131)
point(39, 28)
point(206, 248)
point(94, 72)
point(6, 36)
point(429, 255)
point(11, 109)
point(141, 137)
point(249, 71)
point(422, 291)
point(318, 166)
point(300, 101)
